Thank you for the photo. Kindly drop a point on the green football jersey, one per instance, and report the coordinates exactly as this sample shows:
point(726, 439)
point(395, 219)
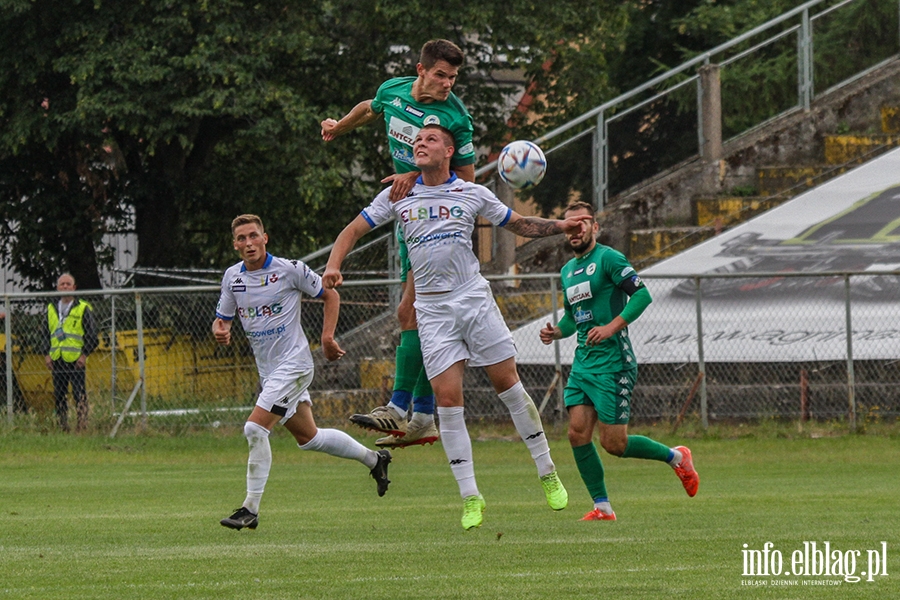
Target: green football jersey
point(592, 297)
point(404, 117)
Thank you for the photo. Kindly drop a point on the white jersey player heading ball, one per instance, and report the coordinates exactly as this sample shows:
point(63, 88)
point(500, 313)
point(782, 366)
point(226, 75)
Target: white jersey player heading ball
point(458, 318)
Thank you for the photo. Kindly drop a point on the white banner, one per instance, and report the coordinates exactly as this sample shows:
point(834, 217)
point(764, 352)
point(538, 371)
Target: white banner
point(851, 223)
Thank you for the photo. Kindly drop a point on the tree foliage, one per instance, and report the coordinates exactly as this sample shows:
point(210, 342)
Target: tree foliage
point(169, 117)
point(655, 36)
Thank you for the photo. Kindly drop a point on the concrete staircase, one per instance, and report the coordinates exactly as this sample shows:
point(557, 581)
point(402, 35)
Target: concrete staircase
point(694, 201)
point(710, 215)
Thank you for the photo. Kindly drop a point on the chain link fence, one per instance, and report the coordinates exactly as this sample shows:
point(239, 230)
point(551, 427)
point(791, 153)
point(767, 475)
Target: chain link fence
point(715, 348)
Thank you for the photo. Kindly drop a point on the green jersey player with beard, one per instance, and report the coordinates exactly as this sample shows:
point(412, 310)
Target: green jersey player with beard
point(408, 104)
point(602, 295)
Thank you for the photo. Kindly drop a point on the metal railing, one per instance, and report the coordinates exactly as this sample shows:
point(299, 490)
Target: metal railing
point(799, 23)
point(795, 346)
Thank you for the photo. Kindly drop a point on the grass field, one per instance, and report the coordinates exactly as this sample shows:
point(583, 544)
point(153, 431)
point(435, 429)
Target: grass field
point(137, 517)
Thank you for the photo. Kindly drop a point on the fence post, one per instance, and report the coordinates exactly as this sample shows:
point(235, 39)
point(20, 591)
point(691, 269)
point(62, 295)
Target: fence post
point(805, 61)
point(851, 383)
point(710, 118)
point(7, 328)
point(709, 125)
point(559, 382)
point(600, 162)
point(393, 258)
point(139, 317)
point(701, 364)
point(504, 241)
point(112, 353)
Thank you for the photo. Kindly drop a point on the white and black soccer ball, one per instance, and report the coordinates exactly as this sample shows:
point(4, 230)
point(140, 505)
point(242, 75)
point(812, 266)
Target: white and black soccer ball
point(521, 164)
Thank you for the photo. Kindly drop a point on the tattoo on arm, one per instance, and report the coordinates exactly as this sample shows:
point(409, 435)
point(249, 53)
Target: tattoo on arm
point(533, 227)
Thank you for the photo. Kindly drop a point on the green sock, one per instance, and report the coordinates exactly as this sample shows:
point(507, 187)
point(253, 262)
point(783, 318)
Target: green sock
point(409, 361)
point(423, 386)
point(591, 469)
point(643, 447)
point(410, 338)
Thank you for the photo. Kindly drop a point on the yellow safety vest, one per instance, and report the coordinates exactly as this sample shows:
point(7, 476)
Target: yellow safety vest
point(67, 338)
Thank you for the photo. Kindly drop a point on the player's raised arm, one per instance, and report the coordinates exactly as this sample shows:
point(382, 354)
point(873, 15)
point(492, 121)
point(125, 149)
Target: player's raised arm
point(359, 115)
point(533, 227)
point(344, 243)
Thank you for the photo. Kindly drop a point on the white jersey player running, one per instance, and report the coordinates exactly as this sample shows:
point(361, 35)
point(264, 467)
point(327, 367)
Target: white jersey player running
point(268, 304)
point(264, 291)
point(458, 318)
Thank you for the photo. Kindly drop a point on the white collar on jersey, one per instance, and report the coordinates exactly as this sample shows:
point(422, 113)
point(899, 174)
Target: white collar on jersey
point(265, 264)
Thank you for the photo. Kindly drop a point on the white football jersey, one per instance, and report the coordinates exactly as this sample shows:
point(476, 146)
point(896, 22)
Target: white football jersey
point(268, 303)
point(437, 223)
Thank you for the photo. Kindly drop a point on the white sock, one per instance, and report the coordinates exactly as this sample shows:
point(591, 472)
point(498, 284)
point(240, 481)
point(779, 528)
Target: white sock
point(458, 447)
point(259, 463)
point(420, 420)
point(528, 423)
point(399, 413)
point(676, 458)
point(604, 507)
point(337, 443)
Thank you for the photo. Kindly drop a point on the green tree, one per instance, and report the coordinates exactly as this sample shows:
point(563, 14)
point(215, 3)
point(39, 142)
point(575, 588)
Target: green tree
point(653, 36)
point(638, 40)
point(171, 116)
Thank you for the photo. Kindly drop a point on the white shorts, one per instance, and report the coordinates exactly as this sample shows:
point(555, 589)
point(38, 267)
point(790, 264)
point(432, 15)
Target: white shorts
point(280, 395)
point(464, 324)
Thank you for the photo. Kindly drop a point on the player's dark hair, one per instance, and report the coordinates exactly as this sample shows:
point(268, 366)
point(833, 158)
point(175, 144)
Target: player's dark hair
point(436, 50)
point(448, 135)
point(245, 220)
point(581, 206)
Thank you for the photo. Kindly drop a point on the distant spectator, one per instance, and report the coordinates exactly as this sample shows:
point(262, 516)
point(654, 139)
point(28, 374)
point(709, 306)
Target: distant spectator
point(72, 337)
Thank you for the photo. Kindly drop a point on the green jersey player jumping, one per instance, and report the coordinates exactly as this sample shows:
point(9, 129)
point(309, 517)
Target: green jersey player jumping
point(602, 295)
point(408, 104)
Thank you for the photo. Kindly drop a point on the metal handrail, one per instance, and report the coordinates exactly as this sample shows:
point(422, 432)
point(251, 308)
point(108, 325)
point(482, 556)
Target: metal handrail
point(601, 139)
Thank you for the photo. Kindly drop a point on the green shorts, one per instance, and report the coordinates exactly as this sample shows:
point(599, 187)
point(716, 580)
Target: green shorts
point(608, 393)
point(405, 265)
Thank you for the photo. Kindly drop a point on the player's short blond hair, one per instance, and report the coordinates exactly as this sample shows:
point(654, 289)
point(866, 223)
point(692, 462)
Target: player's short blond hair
point(245, 220)
point(445, 133)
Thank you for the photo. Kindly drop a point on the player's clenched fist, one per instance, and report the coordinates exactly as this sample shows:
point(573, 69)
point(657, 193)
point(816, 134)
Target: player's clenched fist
point(550, 333)
point(332, 278)
point(222, 331)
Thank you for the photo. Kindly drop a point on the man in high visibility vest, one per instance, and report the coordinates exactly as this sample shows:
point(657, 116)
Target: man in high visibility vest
point(73, 337)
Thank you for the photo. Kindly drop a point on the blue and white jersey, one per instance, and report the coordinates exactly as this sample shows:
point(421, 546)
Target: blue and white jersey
point(268, 302)
point(437, 223)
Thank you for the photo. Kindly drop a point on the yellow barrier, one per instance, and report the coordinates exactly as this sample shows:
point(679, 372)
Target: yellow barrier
point(174, 366)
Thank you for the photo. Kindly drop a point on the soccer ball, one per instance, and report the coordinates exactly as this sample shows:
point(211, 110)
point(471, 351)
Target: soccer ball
point(521, 165)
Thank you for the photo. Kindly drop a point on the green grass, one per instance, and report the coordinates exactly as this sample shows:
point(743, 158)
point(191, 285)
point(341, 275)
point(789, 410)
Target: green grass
point(137, 517)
